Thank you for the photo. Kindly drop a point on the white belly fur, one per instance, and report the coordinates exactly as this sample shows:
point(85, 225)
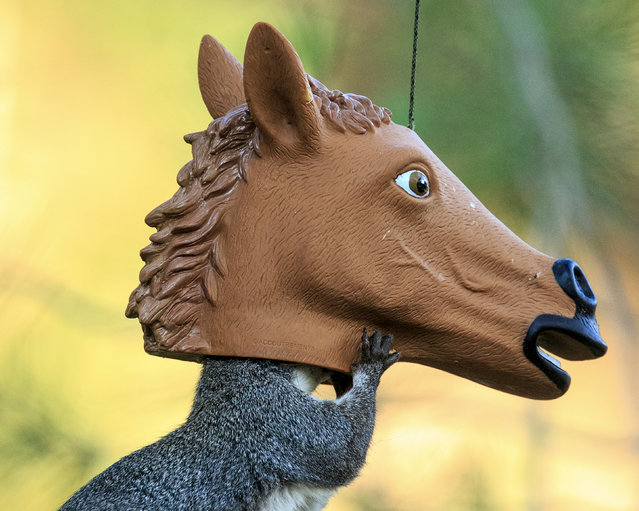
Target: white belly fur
point(297, 497)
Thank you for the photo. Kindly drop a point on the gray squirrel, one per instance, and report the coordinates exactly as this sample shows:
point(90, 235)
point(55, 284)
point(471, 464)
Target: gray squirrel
point(256, 439)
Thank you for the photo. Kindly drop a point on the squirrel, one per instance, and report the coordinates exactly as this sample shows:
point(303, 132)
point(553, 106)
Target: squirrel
point(256, 439)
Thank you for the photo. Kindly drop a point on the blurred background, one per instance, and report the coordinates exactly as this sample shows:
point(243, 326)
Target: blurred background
point(533, 103)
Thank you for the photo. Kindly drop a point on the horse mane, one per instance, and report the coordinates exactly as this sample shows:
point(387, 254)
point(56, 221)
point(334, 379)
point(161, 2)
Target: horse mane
point(185, 262)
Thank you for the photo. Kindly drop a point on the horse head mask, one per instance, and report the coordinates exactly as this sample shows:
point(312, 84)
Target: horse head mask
point(306, 214)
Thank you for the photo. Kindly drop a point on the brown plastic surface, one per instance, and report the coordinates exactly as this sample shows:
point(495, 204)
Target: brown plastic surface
point(288, 235)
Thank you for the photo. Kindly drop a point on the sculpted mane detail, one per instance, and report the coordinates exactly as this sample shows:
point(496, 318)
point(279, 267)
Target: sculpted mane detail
point(185, 260)
point(351, 112)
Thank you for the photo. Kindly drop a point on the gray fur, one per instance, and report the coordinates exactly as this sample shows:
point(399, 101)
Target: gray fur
point(253, 440)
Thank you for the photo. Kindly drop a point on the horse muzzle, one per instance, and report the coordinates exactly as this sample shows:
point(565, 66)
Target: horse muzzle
point(575, 338)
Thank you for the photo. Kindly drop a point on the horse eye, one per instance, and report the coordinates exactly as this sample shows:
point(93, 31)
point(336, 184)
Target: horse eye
point(414, 182)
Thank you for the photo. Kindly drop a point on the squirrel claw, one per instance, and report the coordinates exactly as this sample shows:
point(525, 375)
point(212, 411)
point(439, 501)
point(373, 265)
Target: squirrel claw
point(377, 349)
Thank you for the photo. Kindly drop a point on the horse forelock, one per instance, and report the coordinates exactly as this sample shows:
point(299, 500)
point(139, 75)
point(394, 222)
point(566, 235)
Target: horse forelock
point(345, 111)
point(185, 260)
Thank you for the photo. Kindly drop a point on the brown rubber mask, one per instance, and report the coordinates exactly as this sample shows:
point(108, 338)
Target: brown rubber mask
point(306, 215)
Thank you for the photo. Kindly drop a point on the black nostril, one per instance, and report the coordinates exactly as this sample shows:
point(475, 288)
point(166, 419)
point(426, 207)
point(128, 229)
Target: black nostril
point(582, 283)
point(573, 281)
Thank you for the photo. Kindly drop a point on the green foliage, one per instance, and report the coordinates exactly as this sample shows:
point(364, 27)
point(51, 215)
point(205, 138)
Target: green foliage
point(38, 429)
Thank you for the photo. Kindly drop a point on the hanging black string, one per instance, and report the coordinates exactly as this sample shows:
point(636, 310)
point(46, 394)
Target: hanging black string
point(411, 118)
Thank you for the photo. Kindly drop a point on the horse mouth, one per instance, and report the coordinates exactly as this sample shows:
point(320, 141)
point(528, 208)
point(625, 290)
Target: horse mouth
point(575, 338)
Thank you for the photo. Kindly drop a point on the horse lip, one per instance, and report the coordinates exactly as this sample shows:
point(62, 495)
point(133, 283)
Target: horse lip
point(575, 338)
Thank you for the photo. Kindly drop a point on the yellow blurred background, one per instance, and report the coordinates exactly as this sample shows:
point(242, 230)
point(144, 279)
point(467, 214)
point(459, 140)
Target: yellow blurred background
point(94, 100)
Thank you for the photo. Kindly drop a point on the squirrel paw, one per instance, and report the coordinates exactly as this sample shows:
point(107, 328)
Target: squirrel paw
point(376, 350)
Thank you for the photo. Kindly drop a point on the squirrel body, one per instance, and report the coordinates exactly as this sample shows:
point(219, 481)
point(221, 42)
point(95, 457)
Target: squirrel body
point(255, 439)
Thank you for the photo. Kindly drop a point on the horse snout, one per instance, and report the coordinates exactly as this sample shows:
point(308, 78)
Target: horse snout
point(573, 281)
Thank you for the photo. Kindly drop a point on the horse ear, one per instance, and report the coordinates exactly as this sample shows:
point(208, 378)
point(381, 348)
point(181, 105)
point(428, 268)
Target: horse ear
point(220, 77)
point(277, 90)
